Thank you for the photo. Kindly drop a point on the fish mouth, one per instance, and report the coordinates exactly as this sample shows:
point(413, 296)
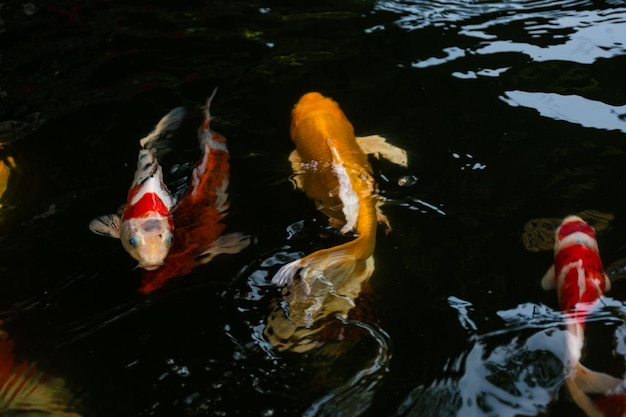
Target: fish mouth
point(150, 267)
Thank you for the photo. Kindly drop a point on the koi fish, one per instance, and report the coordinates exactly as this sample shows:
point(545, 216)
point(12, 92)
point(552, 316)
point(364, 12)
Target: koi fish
point(23, 387)
point(579, 278)
point(197, 215)
point(332, 168)
point(145, 226)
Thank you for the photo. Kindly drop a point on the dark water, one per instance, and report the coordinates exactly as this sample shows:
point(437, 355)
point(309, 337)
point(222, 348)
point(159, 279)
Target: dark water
point(509, 111)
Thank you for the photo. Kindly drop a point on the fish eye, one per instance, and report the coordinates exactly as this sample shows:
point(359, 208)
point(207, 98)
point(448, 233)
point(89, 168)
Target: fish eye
point(133, 241)
point(170, 239)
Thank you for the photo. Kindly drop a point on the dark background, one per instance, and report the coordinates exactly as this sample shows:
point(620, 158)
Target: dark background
point(82, 81)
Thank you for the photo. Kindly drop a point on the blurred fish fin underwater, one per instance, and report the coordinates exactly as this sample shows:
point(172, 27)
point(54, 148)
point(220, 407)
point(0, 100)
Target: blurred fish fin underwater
point(594, 382)
point(26, 390)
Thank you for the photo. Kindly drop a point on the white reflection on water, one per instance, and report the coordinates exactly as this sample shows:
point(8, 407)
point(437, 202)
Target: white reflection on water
point(515, 369)
point(570, 108)
point(542, 34)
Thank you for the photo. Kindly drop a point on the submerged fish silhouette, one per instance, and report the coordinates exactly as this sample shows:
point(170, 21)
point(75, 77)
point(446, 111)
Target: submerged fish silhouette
point(25, 389)
point(331, 166)
point(198, 214)
point(580, 281)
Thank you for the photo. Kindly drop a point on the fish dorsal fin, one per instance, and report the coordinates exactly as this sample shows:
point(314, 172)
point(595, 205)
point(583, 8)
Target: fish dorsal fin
point(107, 225)
point(347, 195)
point(378, 147)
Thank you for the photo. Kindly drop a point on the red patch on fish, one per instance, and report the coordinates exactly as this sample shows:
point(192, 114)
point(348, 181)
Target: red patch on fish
point(578, 270)
point(196, 218)
point(575, 227)
point(147, 205)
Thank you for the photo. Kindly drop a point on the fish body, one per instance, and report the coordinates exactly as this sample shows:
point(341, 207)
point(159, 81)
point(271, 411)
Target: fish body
point(580, 281)
point(145, 226)
point(198, 213)
point(331, 166)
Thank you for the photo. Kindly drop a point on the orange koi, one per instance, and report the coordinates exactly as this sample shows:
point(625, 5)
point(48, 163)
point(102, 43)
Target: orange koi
point(197, 215)
point(332, 168)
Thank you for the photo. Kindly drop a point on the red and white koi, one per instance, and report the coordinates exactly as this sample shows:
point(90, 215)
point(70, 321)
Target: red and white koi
point(145, 226)
point(197, 215)
point(579, 278)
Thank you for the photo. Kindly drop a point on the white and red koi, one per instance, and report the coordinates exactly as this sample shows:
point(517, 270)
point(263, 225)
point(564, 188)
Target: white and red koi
point(331, 166)
point(198, 213)
point(579, 278)
point(145, 226)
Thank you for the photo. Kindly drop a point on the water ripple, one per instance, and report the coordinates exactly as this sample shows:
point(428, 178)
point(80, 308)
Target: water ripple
point(570, 108)
point(513, 369)
point(417, 14)
point(543, 31)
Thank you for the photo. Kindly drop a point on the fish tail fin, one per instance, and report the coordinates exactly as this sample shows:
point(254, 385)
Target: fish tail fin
point(335, 263)
point(595, 382)
point(585, 381)
point(207, 108)
point(168, 123)
point(582, 400)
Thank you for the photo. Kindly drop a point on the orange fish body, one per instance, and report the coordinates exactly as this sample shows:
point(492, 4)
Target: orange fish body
point(324, 139)
point(198, 214)
point(331, 166)
point(334, 171)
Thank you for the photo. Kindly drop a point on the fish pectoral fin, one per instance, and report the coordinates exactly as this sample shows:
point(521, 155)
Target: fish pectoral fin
point(230, 243)
point(107, 225)
point(296, 167)
point(379, 147)
point(296, 161)
point(381, 218)
point(593, 382)
point(607, 283)
point(548, 282)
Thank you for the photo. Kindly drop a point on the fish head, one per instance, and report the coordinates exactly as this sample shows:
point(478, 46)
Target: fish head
point(315, 105)
point(148, 240)
point(572, 230)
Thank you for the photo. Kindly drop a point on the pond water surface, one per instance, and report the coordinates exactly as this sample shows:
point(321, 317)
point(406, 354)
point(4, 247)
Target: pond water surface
point(509, 111)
